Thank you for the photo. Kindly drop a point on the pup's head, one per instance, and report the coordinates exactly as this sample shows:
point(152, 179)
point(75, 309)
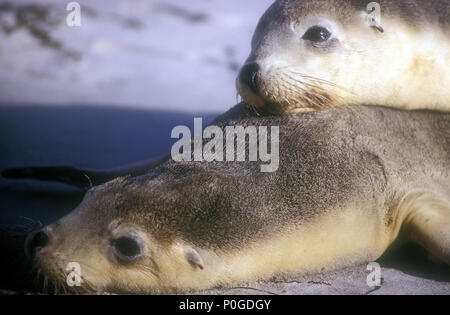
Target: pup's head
point(313, 54)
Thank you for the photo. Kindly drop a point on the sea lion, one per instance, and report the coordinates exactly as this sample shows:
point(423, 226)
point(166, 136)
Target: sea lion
point(351, 181)
point(312, 54)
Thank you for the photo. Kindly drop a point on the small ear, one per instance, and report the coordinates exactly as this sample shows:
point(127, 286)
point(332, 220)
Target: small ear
point(194, 258)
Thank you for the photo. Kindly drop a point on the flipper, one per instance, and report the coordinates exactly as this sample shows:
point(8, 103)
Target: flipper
point(82, 178)
point(428, 224)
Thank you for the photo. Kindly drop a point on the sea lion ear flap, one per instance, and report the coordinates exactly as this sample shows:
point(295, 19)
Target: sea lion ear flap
point(194, 258)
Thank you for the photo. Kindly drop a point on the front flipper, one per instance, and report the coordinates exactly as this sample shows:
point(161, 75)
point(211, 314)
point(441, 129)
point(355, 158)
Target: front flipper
point(428, 224)
point(84, 179)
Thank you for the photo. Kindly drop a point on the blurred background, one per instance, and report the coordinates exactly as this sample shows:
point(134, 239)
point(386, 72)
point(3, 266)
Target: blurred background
point(152, 54)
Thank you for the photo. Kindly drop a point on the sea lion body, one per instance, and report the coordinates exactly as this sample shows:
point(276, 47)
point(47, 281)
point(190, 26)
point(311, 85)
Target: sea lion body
point(313, 54)
point(350, 181)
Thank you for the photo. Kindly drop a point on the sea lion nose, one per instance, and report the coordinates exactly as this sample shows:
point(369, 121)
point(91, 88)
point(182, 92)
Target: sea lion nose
point(249, 76)
point(36, 241)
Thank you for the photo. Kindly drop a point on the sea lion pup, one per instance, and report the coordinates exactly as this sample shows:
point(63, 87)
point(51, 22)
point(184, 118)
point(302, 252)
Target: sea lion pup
point(347, 186)
point(313, 54)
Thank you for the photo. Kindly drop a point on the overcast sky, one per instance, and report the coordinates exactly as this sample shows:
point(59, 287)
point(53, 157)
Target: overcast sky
point(166, 54)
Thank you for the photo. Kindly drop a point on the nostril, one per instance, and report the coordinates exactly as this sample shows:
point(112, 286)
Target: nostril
point(249, 76)
point(39, 239)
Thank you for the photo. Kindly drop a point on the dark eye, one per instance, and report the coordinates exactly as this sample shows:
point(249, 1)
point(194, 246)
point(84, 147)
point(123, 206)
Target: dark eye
point(317, 34)
point(126, 249)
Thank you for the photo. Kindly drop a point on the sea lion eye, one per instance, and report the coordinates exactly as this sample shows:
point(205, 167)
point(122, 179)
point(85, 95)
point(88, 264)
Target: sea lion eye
point(317, 34)
point(126, 249)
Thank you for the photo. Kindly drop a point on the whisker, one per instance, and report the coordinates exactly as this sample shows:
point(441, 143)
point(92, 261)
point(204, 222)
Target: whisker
point(320, 80)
